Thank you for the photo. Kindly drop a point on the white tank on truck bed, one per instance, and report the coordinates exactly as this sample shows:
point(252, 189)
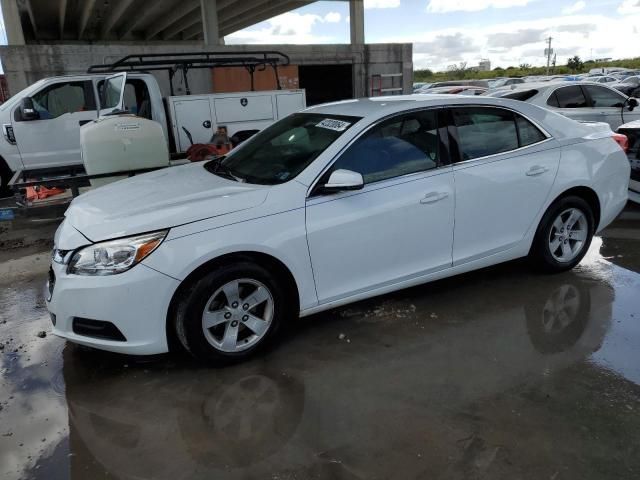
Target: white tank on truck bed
point(118, 143)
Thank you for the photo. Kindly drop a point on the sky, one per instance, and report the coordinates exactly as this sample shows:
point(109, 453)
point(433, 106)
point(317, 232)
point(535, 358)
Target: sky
point(446, 32)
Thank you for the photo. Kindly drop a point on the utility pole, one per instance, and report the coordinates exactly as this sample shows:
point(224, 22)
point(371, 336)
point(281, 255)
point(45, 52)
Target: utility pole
point(548, 51)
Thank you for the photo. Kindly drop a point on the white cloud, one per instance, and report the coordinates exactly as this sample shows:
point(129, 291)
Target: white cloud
point(290, 27)
point(381, 3)
point(629, 7)
point(446, 6)
point(513, 43)
point(575, 8)
point(332, 17)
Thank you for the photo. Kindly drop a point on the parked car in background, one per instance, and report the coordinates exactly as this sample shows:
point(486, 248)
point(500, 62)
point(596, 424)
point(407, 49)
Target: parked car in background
point(632, 131)
point(460, 83)
point(332, 205)
point(505, 82)
point(600, 79)
point(454, 90)
point(594, 102)
point(630, 86)
point(419, 85)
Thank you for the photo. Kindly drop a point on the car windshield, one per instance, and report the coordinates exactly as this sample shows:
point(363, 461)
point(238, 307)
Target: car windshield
point(283, 150)
point(631, 80)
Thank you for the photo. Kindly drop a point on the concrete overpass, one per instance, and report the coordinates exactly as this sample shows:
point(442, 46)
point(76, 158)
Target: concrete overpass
point(64, 21)
point(58, 37)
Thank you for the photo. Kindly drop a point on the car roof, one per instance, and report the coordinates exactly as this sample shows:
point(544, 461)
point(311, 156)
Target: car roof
point(376, 108)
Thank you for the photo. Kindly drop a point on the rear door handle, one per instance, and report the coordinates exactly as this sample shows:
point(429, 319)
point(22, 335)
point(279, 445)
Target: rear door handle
point(536, 170)
point(433, 197)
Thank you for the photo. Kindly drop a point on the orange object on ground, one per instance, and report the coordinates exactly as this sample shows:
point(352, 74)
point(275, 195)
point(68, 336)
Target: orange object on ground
point(39, 193)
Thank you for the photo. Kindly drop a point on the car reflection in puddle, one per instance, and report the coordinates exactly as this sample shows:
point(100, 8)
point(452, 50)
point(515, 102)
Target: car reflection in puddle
point(322, 407)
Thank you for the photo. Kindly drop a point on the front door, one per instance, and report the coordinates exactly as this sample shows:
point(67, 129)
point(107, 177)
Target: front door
point(399, 226)
point(505, 172)
point(53, 140)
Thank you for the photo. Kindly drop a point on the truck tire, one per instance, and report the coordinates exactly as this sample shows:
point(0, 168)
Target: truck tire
point(5, 176)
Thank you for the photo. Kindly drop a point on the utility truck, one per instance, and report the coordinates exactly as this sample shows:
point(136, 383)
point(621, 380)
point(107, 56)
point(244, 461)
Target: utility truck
point(41, 124)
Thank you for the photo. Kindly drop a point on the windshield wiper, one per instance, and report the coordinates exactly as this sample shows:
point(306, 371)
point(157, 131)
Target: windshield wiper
point(216, 167)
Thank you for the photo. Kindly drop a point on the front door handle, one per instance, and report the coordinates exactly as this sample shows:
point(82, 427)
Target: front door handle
point(536, 170)
point(433, 197)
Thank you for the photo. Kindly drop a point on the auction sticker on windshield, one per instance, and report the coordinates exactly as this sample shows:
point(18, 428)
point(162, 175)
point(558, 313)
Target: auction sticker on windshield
point(331, 124)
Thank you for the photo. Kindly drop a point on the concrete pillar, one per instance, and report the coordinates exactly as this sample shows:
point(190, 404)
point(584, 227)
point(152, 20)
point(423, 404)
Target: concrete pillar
point(356, 18)
point(210, 25)
point(12, 25)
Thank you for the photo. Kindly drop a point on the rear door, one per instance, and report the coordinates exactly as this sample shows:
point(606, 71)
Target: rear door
point(503, 175)
point(572, 102)
point(53, 140)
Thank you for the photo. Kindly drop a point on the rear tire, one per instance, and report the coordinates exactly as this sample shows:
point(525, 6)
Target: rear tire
point(231, 313)
point(563, 236)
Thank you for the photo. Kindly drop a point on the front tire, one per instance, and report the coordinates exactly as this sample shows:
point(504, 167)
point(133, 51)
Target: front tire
point(563, 236)
point(231, 313)
point(5, 176)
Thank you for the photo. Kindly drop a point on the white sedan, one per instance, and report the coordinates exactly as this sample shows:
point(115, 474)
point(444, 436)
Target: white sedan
point(582, 101)
point(332, 205)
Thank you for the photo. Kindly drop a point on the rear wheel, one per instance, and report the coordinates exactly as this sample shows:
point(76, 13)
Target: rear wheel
point(564, 235)
point(231, 313)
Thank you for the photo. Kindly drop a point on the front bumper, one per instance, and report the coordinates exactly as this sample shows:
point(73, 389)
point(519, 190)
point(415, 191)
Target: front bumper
point(136, 302)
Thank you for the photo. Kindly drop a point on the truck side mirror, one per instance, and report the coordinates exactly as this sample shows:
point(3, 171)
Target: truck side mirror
point(27, 109)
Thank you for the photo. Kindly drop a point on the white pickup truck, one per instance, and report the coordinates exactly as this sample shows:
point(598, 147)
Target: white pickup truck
point(41, 124)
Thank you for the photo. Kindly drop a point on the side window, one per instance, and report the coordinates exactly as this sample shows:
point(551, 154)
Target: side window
point(484, 131)
point(570, 97)
point(60, 98)
point(603, 97)
point(528, 133)
point(399, 146)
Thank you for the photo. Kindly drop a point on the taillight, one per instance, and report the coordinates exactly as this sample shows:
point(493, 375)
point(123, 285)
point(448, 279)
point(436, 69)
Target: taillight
point(621, 140)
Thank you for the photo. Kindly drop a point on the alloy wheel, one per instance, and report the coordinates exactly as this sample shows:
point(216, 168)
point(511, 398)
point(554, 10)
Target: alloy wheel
point(237, 315)
point(568, 235)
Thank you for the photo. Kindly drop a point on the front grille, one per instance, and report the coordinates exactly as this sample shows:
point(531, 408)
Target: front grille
point(97, 329)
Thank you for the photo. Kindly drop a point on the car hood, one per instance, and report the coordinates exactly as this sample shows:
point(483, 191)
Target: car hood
point(161, 199)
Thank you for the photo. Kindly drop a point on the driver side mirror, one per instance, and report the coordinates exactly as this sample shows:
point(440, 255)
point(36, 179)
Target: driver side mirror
point(633, 103)
point(341, 180)
point(27, 110)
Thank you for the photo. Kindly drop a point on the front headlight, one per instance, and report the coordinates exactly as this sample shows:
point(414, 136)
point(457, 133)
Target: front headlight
point(114, 256)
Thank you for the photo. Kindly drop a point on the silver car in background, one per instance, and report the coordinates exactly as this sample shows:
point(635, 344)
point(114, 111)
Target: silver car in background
point(582, 101)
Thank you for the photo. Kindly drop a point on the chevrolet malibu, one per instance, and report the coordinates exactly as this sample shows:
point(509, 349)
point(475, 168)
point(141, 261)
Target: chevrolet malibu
point(332, 205)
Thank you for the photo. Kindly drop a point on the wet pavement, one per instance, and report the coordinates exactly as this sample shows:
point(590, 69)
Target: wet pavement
point(501, 374)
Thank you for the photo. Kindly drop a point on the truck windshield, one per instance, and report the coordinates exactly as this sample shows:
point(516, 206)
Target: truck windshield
point(283, 150)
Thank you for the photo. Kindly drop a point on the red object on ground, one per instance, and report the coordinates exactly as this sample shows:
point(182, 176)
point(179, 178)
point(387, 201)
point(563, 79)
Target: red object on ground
point(39, 193)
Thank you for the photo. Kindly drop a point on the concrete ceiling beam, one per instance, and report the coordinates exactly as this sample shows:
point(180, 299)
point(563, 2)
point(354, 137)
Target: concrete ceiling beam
point(187, 22)
point(84, 16)
point(62, 14)
point(114, 17)
point(172, 17)
point(258, 16)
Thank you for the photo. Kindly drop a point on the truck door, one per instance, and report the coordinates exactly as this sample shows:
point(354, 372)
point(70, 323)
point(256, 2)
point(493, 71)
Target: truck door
point(53, 139)
point(112, 95)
